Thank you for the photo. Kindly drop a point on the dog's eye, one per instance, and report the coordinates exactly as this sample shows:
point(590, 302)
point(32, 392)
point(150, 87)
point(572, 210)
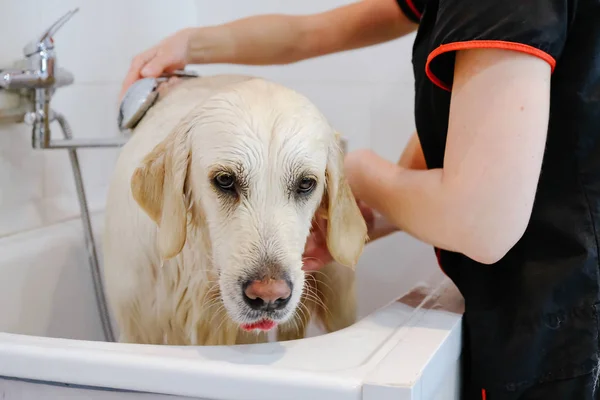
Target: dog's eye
point(224, 181)
point(306, 185)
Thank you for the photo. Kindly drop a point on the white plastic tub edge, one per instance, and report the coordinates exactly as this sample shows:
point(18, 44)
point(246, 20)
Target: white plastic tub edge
point(413, 355)
point(435, 371)
point(403, 372)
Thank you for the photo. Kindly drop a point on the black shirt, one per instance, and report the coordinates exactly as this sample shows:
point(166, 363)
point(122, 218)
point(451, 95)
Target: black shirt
point(533, 316)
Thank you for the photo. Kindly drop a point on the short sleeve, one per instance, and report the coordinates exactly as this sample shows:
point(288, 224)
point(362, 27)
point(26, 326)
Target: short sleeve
point(413, 9)
point(536, 27)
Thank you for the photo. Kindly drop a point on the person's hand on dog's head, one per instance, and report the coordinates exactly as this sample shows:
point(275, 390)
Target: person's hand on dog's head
point(169, 55)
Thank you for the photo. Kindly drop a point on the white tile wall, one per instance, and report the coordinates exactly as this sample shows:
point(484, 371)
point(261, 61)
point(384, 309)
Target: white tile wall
point(367, 94)
point(96, 45)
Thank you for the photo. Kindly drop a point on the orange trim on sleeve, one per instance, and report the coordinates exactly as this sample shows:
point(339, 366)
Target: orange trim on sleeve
point(413, 8)
point(438, 256)
point(483, 44)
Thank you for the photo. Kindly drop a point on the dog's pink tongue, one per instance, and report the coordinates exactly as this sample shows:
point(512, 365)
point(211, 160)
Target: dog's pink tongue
point(263, 325)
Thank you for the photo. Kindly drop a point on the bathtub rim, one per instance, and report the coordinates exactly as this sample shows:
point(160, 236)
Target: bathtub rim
point(73, 363)
point(29, 357)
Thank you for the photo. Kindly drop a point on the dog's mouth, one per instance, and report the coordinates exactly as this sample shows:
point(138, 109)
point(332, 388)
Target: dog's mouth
point(264, 324)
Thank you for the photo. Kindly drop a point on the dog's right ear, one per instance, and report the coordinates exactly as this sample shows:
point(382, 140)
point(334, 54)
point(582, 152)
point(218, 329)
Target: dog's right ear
point(346, 227)
point(157, 186)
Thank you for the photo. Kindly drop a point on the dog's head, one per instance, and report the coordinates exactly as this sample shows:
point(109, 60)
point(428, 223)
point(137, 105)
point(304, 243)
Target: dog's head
point(251, 166)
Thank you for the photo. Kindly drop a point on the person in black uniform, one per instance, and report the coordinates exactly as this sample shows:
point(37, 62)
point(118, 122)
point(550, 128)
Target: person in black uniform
point(502, 176)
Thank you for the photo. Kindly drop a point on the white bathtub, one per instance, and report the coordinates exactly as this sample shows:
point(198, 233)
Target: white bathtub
point(52, 345)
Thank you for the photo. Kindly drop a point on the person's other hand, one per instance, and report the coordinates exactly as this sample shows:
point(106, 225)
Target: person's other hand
point(316, 253)
point(168, 55)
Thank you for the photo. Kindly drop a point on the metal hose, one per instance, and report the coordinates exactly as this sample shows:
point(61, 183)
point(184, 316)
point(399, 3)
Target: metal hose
point(88, 233)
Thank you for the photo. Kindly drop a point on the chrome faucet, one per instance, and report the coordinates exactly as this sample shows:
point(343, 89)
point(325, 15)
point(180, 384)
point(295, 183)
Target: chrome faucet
point(41, 72)
point(38, 82)
point(42, 76)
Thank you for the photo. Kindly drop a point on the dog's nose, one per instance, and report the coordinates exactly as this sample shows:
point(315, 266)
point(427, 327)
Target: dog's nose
point(267, 294)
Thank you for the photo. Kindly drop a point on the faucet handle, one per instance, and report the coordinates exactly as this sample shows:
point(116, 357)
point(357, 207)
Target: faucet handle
point(45, 41)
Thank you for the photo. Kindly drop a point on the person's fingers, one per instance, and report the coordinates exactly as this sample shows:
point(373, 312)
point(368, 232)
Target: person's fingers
point(310, 245)
point(164, 87)
point(156, 66)
point(312, 264)
point(137, 64)
point(316, 253)
point(319, 228)
point(316, 258)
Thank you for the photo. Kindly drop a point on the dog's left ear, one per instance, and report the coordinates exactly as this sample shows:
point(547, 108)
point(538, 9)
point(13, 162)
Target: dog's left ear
point(346, 227)
point(157, 185)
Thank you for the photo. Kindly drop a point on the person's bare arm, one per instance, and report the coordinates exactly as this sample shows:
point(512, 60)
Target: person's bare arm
point(412, 158)
point(282, 39)
point(275, 39)
point(480, 203)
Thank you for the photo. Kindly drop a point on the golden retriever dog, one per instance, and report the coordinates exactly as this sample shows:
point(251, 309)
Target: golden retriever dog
point(208, 214)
